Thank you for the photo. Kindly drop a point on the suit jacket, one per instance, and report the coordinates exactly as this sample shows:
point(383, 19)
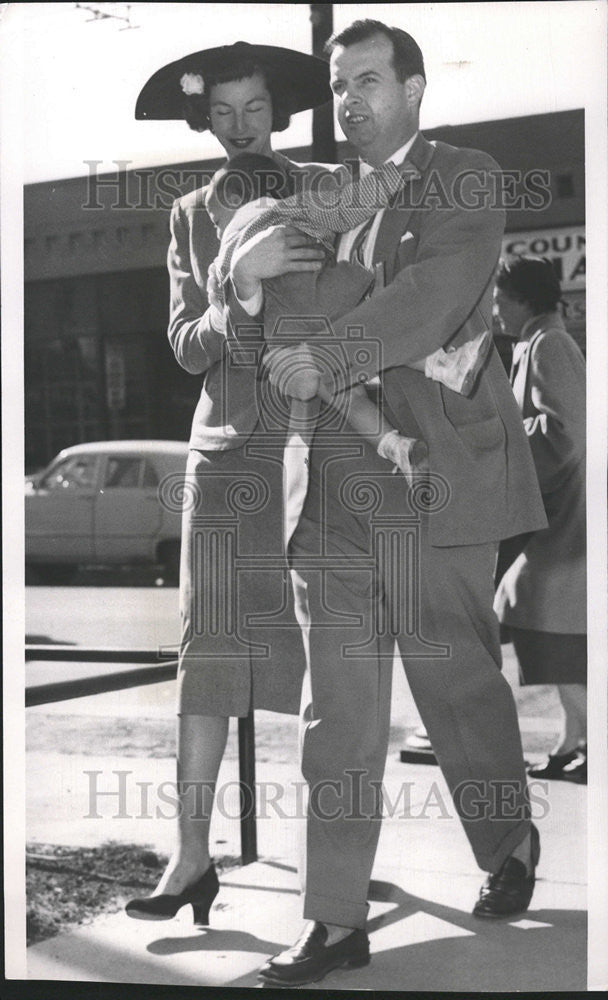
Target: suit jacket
point(438, 245)
point(545, 588)
point(227, 410)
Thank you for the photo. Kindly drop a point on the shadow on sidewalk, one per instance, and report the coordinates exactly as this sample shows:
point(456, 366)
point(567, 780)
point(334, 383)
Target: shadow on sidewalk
point(542, 950)
point(416, 944)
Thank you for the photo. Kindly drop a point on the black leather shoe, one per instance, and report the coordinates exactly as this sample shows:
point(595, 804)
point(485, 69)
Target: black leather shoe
point(553, 766)
point(576, 770)
point(311, 958)
point(164, 906)
point(509, 891)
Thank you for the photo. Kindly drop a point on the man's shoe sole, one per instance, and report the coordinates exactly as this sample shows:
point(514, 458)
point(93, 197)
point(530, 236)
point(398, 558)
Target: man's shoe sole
point(488, 915)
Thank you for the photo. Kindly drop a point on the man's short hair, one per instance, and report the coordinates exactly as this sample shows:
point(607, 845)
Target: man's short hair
point(532, 280)
point(246, 178)
point(407, 56)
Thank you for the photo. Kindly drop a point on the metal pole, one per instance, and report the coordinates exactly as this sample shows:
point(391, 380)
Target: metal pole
point(323, 138)
point(98, 654)
point(42, 694)
point(249, 842)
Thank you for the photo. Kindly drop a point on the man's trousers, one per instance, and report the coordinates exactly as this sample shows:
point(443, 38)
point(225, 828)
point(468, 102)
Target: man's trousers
point(365, 575)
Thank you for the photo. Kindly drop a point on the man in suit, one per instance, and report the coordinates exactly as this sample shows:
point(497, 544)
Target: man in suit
point(374, 560)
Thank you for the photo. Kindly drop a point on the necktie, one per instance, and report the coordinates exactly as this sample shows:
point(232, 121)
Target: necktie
point(358, 247)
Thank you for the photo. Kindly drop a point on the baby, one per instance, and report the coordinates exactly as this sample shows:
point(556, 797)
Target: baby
point(241, 201)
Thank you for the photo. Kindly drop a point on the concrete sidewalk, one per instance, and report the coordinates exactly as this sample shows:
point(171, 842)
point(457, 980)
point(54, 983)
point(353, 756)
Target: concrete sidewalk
point(425, 881)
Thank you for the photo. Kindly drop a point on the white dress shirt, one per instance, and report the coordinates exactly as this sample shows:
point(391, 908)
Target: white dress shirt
point(255, 303)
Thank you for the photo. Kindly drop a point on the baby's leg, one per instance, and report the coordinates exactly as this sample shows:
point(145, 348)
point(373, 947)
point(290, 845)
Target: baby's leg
point(363, 415)
point(408, 454)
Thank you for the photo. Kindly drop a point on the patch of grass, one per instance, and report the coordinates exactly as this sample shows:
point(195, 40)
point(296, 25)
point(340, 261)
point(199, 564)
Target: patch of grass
point(67, 886)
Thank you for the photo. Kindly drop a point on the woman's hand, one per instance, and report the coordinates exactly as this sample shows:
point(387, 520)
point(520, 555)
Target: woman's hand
point(277, 250)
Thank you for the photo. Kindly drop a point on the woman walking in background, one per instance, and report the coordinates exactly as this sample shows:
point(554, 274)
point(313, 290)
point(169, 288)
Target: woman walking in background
point(541, 597)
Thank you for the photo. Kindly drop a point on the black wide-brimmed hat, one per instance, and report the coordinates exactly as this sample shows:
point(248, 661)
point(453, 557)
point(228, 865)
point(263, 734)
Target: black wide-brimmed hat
point(305, 78)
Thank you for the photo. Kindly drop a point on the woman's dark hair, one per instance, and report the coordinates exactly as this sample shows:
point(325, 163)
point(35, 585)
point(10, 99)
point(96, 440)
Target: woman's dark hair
point(196, 106)
point(532, 280)
point(247, 177)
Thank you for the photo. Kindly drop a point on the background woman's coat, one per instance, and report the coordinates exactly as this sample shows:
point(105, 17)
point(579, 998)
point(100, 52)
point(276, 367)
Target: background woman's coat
point(545, 588)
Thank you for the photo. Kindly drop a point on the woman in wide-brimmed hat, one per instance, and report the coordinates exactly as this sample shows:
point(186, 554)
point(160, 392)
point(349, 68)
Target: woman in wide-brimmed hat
point(240, 643)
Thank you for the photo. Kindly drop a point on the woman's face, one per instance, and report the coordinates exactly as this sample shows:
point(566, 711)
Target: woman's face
point(511, 313)
point(241, 115)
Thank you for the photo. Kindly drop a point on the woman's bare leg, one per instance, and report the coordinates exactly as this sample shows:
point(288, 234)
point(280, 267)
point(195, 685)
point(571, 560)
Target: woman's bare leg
point(574, 702)
point(201, 742)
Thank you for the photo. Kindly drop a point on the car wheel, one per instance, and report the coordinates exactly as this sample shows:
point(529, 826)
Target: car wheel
point(49, 573)
point(169, 557)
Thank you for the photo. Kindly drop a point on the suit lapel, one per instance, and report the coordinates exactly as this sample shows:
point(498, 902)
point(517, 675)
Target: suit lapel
point(397, 215)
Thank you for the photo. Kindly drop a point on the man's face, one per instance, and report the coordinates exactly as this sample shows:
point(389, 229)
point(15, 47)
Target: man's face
point(377, 113)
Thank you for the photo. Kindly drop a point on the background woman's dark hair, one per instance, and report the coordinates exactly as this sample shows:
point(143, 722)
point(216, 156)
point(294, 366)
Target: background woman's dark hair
point(197, 105)
point(532, 280)
point(247, 177)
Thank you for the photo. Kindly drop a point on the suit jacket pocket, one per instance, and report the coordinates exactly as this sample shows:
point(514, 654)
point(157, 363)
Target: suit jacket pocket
point(482, 435)
point(406, 253)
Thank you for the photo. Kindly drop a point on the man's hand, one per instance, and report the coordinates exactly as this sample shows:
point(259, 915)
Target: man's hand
point(293, 371)
point(277, 250)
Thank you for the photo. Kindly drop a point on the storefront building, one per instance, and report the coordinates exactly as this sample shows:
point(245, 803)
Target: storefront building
point(98, 364)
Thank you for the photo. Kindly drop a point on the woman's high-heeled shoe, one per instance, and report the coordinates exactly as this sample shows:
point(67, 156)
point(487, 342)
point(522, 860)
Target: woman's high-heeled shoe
point(200, 895)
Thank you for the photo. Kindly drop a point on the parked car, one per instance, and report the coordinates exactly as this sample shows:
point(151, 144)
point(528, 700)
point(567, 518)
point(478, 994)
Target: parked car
point(99, 504)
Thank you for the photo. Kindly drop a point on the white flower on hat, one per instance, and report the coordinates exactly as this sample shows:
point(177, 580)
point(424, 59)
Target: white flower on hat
point(192, 83)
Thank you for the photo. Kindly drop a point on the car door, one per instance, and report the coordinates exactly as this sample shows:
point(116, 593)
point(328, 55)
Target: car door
point(59, 511)
point(127, 512)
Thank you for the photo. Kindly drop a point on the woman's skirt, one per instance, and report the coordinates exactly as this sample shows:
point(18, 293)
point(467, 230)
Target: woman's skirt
point(549, 657)
point(240, 643)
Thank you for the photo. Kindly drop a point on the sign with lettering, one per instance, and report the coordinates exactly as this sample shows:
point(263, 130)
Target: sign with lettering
point(564, 246)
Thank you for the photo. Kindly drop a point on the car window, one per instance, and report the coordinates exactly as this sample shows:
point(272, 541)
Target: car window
point(150, 475)
point(123, 472)
point(77, 472)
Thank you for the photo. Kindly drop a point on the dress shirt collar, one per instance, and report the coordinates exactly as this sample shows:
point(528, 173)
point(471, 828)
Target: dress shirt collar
point(397, 158)
point(518, 351)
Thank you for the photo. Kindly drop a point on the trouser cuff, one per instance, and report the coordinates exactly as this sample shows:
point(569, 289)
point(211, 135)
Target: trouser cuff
point(335, 911)
point(492, 862)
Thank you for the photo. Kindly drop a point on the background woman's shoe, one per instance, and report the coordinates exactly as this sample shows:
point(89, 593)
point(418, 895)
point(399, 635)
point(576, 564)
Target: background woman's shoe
point(164, 906)
point(509, 891)
point(576, 770)
point(553, 766)
point(571, 766)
